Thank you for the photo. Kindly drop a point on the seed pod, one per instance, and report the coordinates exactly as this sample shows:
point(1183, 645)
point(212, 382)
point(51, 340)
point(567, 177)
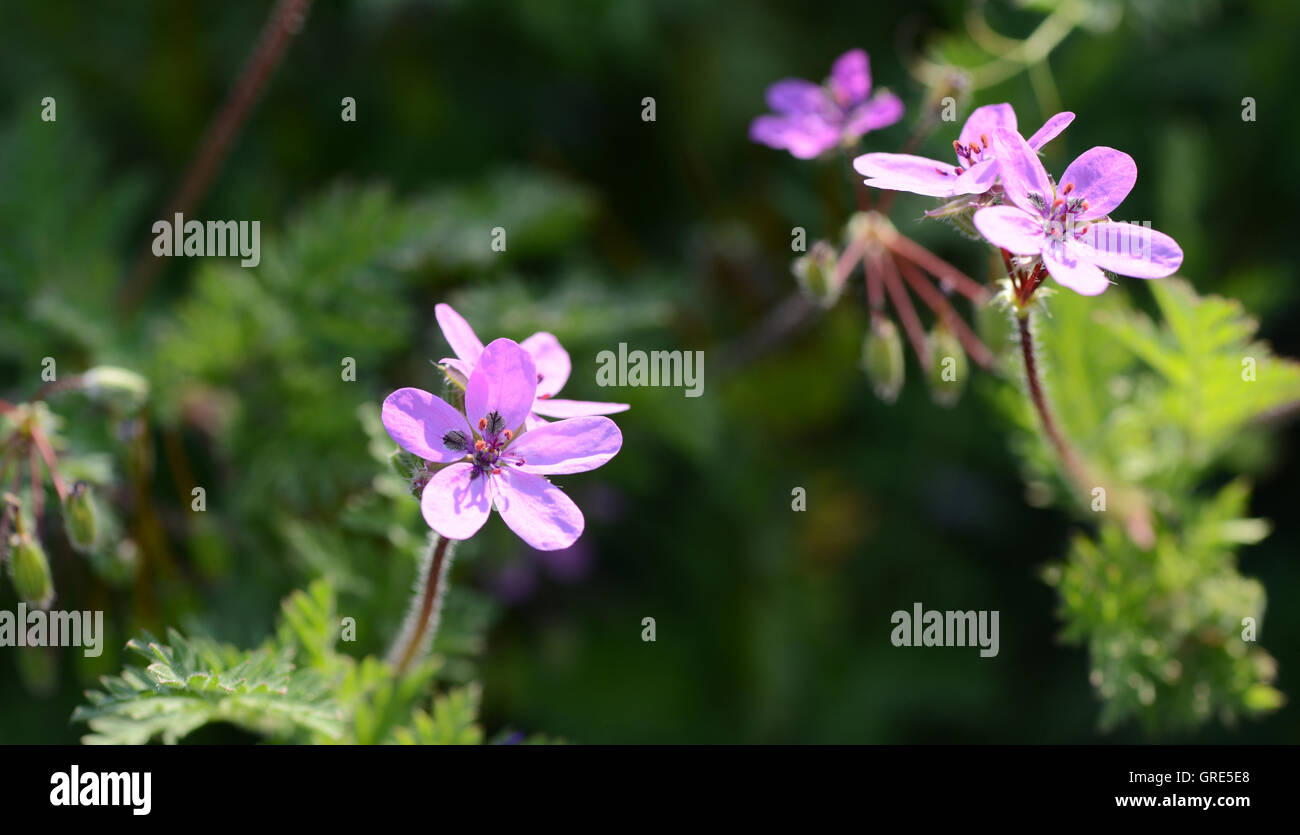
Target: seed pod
point(30, 571)
point(882, 358)
point(815, 273)
point(949, 369)
point(79, 521)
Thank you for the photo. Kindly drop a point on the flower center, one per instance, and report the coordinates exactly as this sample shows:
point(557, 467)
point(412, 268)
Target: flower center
point(487, 450)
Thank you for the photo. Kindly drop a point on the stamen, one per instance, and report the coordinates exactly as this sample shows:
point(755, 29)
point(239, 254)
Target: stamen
point(984, 137)
point(482, 424)
point(958, 170)
point(1067, 188)
point(480, 445)
point(508, 434)
point(941, 171)
point(496, 471)
point(455, 440)
point(974, 148)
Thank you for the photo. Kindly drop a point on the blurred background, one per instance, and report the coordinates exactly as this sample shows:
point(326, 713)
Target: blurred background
point(772, 625)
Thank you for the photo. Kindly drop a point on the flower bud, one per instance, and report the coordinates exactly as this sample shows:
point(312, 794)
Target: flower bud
point(30, 571)
point(815, 273)
point(79, 518)
point(123, 390)
point(882, 358)
point(949, 368)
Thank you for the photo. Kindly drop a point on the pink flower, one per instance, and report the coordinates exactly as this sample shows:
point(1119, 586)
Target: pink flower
point(1067, 225)
point(493, 461)
point(813, 118)
point(549, 356)
point(976, 168)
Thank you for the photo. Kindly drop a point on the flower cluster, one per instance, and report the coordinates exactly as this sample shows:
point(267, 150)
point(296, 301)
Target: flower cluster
point(496, 453)
point(1058, 229)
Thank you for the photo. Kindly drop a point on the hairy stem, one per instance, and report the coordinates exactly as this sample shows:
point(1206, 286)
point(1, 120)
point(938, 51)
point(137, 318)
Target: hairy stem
point(422, 621)
point(1074, 468)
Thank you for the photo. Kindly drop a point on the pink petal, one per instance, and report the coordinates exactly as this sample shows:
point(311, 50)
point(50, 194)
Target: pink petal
point(458, 370)
point(1021, 170)
point(804, 135)
point(1012, 229)
point(1050, 129)
point(538, 511)
point(558, 407)
point(978, 178)
point(504, 381)
point(1071, 268)
point(417, 421)
point(567, 446)
point(459, 334)
point(984, 121)
point(1101, 176)
point(552, 362)
point(794, 95)
point(904, 172)
point(1133, 250)
point(455, 503)
point(883, 110)
point(850, 80)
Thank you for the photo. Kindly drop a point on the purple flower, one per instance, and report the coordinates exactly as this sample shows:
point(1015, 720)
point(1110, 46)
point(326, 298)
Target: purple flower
point(549, 356)
point(493, 461)
point(812, 118)
point(1044, 218)
point(975, 170)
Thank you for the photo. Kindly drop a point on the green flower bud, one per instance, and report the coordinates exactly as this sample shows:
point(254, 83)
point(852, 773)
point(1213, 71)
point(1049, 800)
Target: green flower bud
point(882, 358)
point(79, 518)
point(123, 390)
point(949, 369)
point(30, 571)
point(815, 273)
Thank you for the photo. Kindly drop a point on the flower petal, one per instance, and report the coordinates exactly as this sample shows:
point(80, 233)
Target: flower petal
point(1131, 249)
point(795, 95)
point(504, 381)
point(567, 446)
point(1021, 170)
point(850, 80)
point(1071, 268)
point(904, 172)
point(1101, 176)
point(456, 503)
point(984, 121)
point(552, 361)
point(883, 110)
point(538, 511)
point(459, 334)
point(458, 370)
point(417, 420)
point(558, 407)
point(1050, 129)
point(1012, 229)
point(805, 135)
point(978, 178)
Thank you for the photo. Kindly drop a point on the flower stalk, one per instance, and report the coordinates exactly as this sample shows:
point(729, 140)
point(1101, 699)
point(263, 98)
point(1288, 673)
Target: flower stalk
point(416, 638)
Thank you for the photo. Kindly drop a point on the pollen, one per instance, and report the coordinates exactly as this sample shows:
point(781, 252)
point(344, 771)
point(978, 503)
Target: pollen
point(941, 171)
point(480, 445)
point(482, 423)
point(508, 434)
point(1069, 187)
point(496, 471)
point(984, 138)
point(974, 148)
